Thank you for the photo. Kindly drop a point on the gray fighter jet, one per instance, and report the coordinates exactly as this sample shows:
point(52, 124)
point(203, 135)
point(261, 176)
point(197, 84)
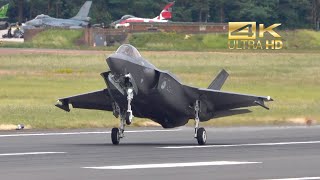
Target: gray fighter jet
point(78, 21)
point(137, 88)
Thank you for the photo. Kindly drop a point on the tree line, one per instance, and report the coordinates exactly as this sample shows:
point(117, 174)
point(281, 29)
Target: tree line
point(291, 13)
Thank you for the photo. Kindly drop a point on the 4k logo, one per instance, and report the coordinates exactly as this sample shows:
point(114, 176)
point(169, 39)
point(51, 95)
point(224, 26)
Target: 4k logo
point(247, 33)
point(242, 30)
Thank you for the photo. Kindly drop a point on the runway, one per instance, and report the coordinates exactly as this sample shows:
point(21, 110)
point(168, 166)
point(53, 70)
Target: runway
point(154, 153)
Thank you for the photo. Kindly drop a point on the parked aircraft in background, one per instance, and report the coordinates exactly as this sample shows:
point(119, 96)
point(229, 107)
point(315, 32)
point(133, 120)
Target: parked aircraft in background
point(125, 21)
point(3, 12)
point(138, 88)
point(78, 21)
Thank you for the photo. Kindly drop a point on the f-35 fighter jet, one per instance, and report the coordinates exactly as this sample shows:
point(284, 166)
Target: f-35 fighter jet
point(137, 88)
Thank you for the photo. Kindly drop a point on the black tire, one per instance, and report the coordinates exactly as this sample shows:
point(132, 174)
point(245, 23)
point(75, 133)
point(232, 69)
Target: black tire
point(128, 120)
point(115, 136)
point(201, 136)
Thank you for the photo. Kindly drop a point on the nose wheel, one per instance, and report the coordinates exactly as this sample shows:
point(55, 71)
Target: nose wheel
point(115, 136)
point(118, 133)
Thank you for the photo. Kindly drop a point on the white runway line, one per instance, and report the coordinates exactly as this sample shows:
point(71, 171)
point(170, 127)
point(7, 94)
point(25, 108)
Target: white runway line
point(30, 153)
point(82, 133)
point(242, 145)
point(173, 165)
point(300, 178)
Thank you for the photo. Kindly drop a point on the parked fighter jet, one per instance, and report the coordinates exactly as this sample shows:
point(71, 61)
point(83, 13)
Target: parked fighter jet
point(125, 20)
point(138, 88)
point(78, 21)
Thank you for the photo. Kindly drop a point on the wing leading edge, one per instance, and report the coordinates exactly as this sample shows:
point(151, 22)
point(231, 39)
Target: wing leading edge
point(227, 100)
point(99, 100)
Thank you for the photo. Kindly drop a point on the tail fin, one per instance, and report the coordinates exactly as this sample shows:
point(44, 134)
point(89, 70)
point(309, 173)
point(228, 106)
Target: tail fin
point(3, 11)
point(166, 13)
point(218, 82)
point(83, 12)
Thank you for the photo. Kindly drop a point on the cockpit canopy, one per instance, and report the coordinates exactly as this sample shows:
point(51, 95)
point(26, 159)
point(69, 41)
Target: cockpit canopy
point(128, 50)
point(126, 17)
point(41, 16)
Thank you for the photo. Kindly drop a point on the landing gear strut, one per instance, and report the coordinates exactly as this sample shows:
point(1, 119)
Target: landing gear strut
point(125, 116)
point(129, 115)
point(199, 132)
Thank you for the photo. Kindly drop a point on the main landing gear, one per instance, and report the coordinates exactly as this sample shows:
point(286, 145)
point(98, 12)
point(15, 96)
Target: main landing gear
point(125, 119)
point(199, 132)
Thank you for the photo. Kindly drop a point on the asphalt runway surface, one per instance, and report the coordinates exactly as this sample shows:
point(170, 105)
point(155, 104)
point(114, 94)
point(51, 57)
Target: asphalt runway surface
point(155, 153)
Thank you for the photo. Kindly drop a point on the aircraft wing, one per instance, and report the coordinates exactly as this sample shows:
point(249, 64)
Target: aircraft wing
point(224, 101)
point(99, 100)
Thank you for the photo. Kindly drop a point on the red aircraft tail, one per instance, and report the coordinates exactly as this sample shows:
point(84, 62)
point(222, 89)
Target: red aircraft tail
point(166, 13)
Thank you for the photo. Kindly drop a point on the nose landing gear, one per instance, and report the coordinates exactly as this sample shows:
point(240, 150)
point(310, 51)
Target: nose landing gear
point(125, 116)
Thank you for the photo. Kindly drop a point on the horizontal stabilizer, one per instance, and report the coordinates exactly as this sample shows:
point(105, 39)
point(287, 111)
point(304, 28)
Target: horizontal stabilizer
point(218, 82)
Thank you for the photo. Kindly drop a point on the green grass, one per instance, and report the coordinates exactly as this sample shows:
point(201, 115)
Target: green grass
point(177, 41)
point(301, 39)
point(31, 84)
point(57, 38)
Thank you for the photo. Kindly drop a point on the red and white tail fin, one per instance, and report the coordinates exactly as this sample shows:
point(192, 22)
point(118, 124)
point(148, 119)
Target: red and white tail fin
point(166, 13)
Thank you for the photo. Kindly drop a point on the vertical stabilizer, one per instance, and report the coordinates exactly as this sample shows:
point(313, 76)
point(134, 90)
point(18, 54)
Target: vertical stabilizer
point(218, 82)
point(166, 13)
point(83, 12)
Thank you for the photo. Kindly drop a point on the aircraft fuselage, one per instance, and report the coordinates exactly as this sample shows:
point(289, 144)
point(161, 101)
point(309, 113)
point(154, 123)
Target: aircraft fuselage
point(55, 22)
point(160, 94)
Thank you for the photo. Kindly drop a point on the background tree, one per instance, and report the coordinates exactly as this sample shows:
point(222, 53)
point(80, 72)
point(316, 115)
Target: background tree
point(294, 13)
point(316, 14)
point(291, 13)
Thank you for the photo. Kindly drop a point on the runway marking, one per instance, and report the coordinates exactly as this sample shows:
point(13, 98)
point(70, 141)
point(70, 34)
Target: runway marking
point(300, 178)
point(240, 145)
point(82, 133)
point(173, 165)
point(30, 153)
